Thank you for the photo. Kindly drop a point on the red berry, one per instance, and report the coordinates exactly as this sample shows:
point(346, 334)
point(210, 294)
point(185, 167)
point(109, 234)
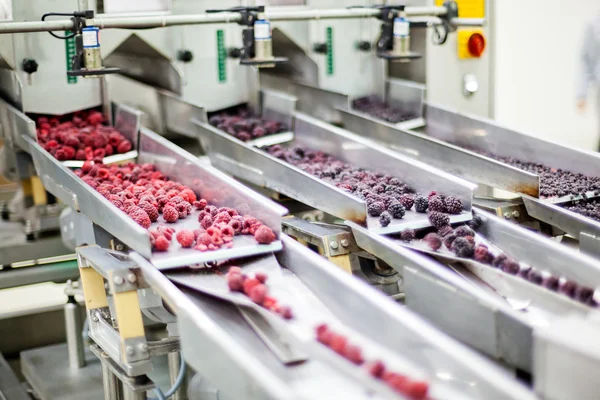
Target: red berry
point(185, 238)
point(200, 204)
point(235, 282)
point(399, 383)
point(188, 195)
point(376, 369)
point(338, 343)
point(285, 312)
point(258, 293)
point(416, 389)
point(150, 210)
point(354, 354)
point(261, 276)
point(124, 147)
point(270, 303)
point(206, 222)
point(170, 214)
point(139, 216)
point(249, 284)
point(234, 270)
point(264, 235)
point(204, 239)
point(161, 244)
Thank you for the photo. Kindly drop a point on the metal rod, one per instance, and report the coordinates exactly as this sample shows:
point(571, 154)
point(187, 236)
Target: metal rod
point(174, 361)
point(109, 381)
point(467, 21)
point(130, 394)
point(73, 327)
point(195, 19)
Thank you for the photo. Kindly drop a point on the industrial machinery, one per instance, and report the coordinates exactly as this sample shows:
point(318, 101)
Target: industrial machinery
point(259, 315)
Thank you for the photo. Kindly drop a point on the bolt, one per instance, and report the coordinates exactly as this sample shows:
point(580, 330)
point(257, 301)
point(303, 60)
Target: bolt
point(507, 215)
point(344, 242)
point(119, 247)
point(131, 278)
point(130, 351)
point(516, 214)
point(334, 245)
point(95, 318)
point(143, 347)
point(118, 280)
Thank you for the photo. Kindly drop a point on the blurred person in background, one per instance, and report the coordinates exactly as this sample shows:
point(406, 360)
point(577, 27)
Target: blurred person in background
point(590, 63)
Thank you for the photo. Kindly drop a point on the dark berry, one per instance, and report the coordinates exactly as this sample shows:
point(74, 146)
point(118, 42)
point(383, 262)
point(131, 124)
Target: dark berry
point(453, 205)
point(437, 204)
point(463, 231)
point(449, 239)
point(433, 240)
point(445, 230)
point(584, 294)
point(397, 210)
point(535, 277)
point(438, 219)
point(376, 208)
point(483, 255)
point(385, 218)
point(408, 235)
point(510, 266)
point(462, 248)
point(568, 288)
point(475, 223)
point(421, 204)
point(551, 283)
point(407, 201)
point(499, 259)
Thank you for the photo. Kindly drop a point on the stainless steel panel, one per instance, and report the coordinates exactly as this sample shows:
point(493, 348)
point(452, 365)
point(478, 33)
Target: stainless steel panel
point(10, 387)
point(15, 125)
point(450, 158)
point(406, 95)
point(572, 223)
point(178, 114)
point(278, 106)
point(320, 103)
point(451, 126)
point(11, 88)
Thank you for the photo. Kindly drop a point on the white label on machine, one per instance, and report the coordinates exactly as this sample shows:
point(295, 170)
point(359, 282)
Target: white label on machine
point(262, 30)
point(401, 27)
point(90, 37)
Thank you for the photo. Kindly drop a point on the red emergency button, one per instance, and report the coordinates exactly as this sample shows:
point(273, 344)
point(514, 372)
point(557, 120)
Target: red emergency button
point(476, 44)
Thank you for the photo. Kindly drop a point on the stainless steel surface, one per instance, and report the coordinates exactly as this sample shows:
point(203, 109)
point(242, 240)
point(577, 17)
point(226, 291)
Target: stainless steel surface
point(110, 384)
point(438, 153)
point(14, 126)
point(375, 315)
point(174, 359)
point(406, 95)
point(431, 289)
point(253, 85)
point(10, 387)
point(264, 170)
point(278, 106)
point(73, 328)
point(46, 370)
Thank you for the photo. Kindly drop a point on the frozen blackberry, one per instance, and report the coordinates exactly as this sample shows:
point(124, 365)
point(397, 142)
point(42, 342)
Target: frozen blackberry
point(449, 239)
point(499, 259)
point(385, 218)
point(551, 283)
point(483, 255)
point(445, 230)
point(438, 219)
point(568, 288)
point(407, 201)
point(408, 235)
point(421, 204)
point(453, 205)
point(584, 294)
point(463, 231)
point(437, 204)
point(462, 248)
point(396, 209)
point(375, 208)
point(510, 266)
point(433, 240)
point(535, 277)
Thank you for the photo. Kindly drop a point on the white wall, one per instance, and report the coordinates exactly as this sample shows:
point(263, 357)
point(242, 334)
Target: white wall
point(536, 66)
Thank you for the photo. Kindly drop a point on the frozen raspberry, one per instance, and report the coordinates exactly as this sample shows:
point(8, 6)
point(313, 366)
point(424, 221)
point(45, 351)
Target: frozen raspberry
point(285, 312)
point(416, 389)
point(264, 235)
point(408, 235)
point(258, 293)
point(375, 208)
point(235, 282)
point(249, 284)
point(376, 369)
point(149, 209)
point(398, 382)
point(185, 238)
point(200, 204)
point(436, 204)
point(338, 343)
point(433, 240)
point(483, 255)
point(453, 205)
point(462, 248)
point(204, 239)
point(188, 195)
point(170, 214)
point(421, 204)
point(206, 222)
point(261, 276)
point(161, 244)
point(139, 216)
point(124, 147)
point(385, 218)
point(324, 335)
point(407, 201)
point(463, 231)
point(234, 270)
point(396, 209)
point(354, 354)
point(438, 219)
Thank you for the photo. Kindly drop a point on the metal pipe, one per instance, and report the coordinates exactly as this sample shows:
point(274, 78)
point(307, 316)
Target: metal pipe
point(73, 327)
point(195, 19)
point(467, 21)
point(109, 381)
point(174, 360)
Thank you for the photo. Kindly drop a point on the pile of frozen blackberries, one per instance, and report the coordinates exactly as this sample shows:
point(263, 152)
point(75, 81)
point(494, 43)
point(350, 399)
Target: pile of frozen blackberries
point(378, 108)
point(241, 124)
point(386, 196)
point(461, 241)
point(587, 208)
point(554, 182)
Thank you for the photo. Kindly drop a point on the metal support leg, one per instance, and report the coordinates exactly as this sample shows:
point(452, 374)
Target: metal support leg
point(110, 382)
point(73, 327)
point(130, 394)
point(174, 359)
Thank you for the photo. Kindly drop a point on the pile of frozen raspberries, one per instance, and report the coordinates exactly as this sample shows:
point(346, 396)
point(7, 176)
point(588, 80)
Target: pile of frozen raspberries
point(147, 196)
point(82, 136)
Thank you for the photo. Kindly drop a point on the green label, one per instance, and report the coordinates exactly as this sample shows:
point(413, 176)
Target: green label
point(221, 56)
point(329, 50)
point(71, 51)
